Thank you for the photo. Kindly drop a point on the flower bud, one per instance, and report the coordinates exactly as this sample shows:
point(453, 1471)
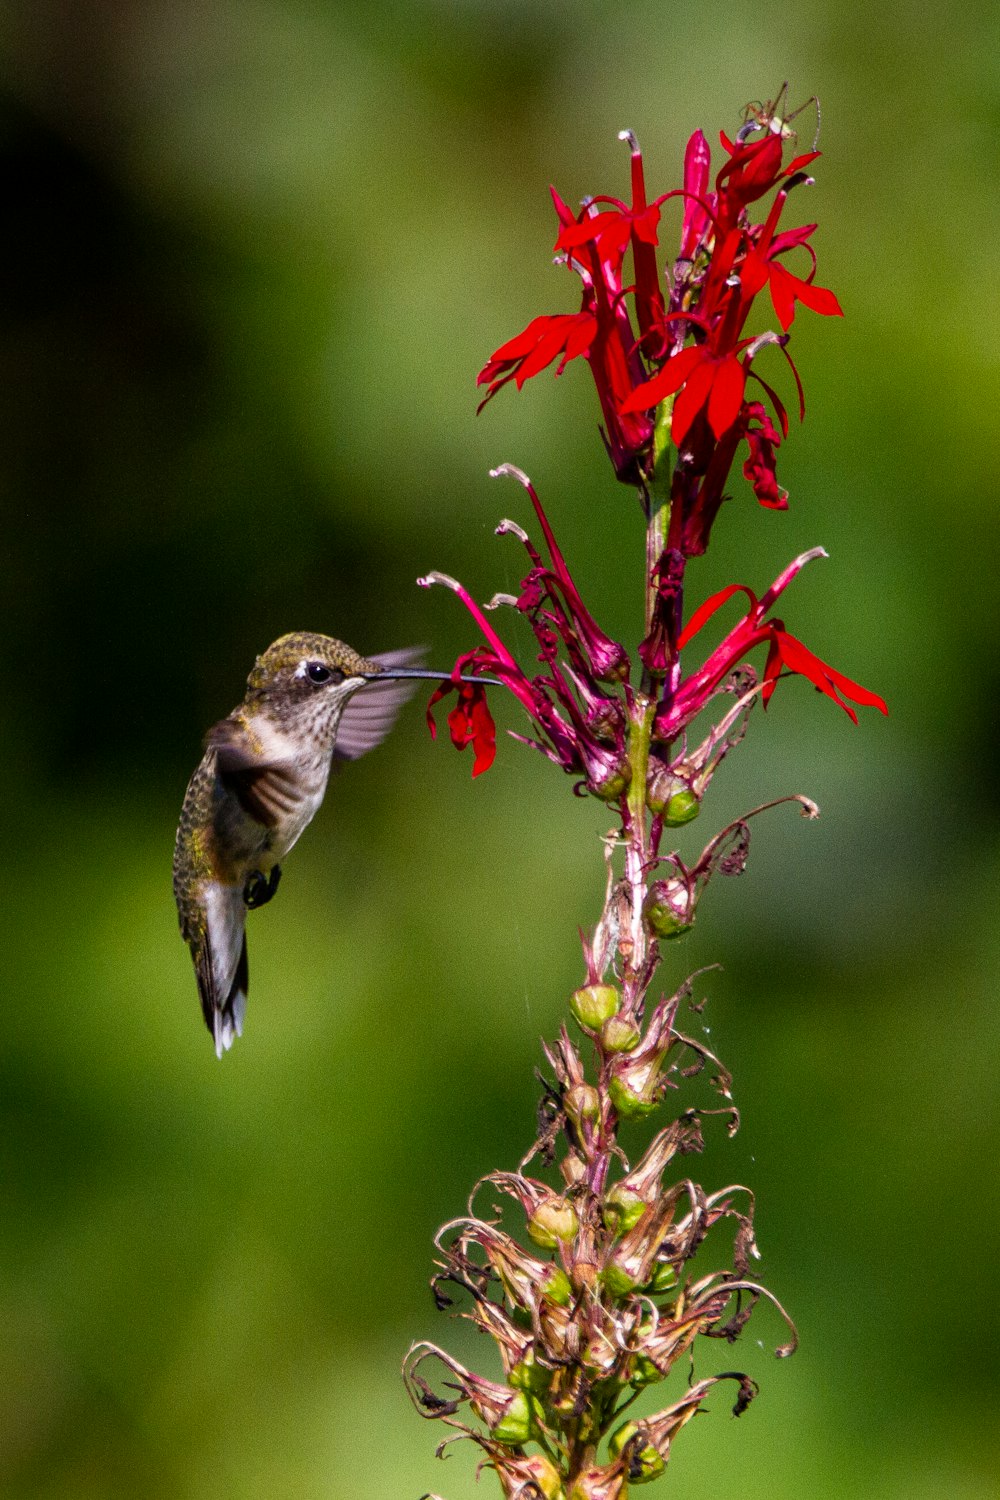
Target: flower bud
point(556, 1286)
point(528, 1375)
point(645, 1371)
point(533, 1474)
point(553, 1221)
point(669, 908)
point(643, 1458)
point(670, 797)
point(594, 1004)
point(511, 1416)
point(664, 1277)
point(634, 1102)
point(610, 782)
point(617, 1281)
point(518, 1422)
point(683, 807)
point(605, 1483)
point(622, 1209)
point(620, 1034)
point(584, 1275)
point(573, 1169)
point(582, 1102)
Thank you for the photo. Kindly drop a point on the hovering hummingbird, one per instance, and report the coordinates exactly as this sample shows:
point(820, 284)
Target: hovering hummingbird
point(261, 780)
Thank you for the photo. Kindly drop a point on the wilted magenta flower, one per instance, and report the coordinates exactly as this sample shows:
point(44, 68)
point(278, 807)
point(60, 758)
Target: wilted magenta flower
point(582, 725)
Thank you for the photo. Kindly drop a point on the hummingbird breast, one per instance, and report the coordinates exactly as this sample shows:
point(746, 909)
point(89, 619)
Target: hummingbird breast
point(288, 795)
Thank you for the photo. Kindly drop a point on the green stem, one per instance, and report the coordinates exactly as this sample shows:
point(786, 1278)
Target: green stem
point(636, 825)
point(659, 500)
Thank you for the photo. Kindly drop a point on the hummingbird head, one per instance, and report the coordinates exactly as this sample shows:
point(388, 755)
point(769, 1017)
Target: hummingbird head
point(304, 680)
point(303, 683)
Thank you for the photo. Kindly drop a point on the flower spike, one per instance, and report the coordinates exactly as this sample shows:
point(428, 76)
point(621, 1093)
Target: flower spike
point(596, 1275)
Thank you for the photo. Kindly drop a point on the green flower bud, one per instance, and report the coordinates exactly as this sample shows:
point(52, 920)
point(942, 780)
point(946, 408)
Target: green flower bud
point(617, 1281)
point(609, 784)
point(553, 1221)
point(683, 807)
point(670, 797)
point(620, 1437)
point(668, 908)
point(663, 1278)
point(644, 1460)
point(618, 1034)
point(582, 1102)
point(644, 1372)
point(517, 1423)
point(556, 1287)
point(594, 1004)
point(622, 1209)
point(528, 1375)
point(630, 1105)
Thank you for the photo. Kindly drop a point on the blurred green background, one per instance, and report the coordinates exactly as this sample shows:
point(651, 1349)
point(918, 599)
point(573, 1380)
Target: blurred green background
point(253, 256)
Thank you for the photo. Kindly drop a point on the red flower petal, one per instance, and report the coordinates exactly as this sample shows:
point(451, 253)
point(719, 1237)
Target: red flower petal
point(692, 398)
point(820, 299)
point(759, 467)
point(754, 273)
point(787, 289)
point(697, 160)
point(788, 239)
point(782, 294)
point(705, 611)
point(471, 723)
point(798, 162)
point(673, 375)
point(798, 658)
point(727, 395)
point(609, 232)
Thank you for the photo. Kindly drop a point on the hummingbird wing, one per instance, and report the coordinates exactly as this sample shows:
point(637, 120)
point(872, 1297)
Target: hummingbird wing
point(268, 790)
point(370, 714)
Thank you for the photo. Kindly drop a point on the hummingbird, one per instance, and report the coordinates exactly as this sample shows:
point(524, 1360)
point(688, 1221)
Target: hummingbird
point(309, 699)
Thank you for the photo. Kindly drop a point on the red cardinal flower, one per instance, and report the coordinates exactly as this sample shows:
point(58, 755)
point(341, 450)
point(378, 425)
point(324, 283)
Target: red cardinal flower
point(761, 267)
point(470, 721)
point(712, 383)
point(784, 650)
point(693, 349)
point(544, 339)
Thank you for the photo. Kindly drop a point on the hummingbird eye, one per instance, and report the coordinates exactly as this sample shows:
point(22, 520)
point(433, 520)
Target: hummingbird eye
point(318, 673)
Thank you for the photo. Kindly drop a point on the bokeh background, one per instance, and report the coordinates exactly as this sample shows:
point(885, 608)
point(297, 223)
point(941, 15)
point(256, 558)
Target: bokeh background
point(253, 255)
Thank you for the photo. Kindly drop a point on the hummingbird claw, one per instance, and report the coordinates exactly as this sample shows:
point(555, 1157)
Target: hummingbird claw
point(260, 888)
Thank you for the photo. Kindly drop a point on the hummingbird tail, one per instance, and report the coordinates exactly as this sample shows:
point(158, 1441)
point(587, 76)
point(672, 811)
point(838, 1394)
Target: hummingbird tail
point(225, 1021)
point(221, 966)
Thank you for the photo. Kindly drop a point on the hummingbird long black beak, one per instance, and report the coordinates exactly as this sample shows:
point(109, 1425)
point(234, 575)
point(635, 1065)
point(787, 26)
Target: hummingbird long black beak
point(428, 676)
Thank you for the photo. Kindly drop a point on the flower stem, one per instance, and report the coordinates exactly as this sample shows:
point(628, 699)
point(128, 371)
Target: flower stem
point(659, 501)
point(636, 830)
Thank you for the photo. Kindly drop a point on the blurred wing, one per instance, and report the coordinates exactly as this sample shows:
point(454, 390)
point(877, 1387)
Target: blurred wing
point(266, 790)
point(371, 712)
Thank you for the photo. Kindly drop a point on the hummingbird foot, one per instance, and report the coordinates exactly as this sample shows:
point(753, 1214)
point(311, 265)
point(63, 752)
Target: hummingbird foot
point(260, 888)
